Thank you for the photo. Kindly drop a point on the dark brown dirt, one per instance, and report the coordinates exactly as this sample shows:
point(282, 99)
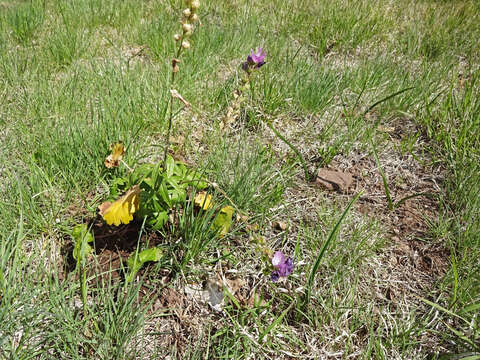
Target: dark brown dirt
point(113, 246)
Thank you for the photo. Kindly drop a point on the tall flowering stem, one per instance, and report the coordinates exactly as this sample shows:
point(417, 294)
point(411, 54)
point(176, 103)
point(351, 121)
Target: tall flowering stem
point(254, 61)
point(190, 18)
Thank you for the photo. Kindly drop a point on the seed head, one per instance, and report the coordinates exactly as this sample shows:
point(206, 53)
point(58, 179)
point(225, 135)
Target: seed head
point(185, 44)
point(175, 67)
point(195, 5)
point(187, 12)
point(187, 28)
point(177, 37)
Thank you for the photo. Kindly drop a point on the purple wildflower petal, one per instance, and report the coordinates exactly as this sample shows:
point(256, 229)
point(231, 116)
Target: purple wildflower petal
point(288, 267)
point(275, 276)
point(257, 57)
point(278, 259)
point(285, 268)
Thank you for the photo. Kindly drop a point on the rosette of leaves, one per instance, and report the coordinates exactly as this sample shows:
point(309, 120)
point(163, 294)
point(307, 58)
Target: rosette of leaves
point(161, 189)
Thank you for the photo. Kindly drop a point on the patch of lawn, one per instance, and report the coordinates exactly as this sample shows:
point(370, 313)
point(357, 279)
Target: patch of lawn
point(77, 76)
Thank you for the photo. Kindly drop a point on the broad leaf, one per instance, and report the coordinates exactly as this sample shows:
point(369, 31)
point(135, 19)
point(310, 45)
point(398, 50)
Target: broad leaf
point(223, 221)
point(136, 261)
point(82, 238)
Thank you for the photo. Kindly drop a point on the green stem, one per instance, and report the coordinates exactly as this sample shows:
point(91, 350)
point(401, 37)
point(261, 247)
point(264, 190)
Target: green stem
point(170, 105)
point(385, 99)
point(331, 237)
point(84, 290)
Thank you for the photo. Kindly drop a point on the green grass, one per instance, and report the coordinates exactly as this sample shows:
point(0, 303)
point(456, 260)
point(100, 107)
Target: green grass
point(71, 83)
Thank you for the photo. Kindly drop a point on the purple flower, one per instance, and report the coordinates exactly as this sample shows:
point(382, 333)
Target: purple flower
point(255, 59)
point(283, 266)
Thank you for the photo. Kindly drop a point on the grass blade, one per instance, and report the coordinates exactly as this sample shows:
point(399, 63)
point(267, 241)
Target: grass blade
point(473, 307)
point(402, 200)
point(386, 98)
point(441, 308)
point(384, 177)
point(294, 149)
point(332, 235)
point(276, 322)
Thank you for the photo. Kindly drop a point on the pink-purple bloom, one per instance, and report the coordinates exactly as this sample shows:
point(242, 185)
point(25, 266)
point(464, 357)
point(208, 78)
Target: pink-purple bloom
point(254, 60)
point(283, 266)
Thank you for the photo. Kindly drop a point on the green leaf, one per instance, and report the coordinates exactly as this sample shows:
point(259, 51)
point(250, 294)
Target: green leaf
point(332, 235)
point(223, 221)
point(136, 261)
point(441, 308)
point(82, 238)
point(169, 166)
point(472, 307)
point(119, 186)
point(384, 177)
point(159, 219)
point(275, 322)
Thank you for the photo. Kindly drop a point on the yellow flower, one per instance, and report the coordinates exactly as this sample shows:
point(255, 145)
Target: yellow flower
point(113, 160)
point(122, 210)
point(203, 200)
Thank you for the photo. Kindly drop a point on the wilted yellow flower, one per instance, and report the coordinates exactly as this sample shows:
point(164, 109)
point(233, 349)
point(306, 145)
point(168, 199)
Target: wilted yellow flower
point(113, 160)
point(203, 200)
point(122, 210)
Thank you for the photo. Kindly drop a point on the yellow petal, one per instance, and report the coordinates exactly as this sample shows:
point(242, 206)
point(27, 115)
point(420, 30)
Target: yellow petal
point(122, 210)
point(113, 160)
point(203, 200)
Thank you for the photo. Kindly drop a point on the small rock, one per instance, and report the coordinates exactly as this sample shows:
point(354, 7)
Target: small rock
point(333, 180)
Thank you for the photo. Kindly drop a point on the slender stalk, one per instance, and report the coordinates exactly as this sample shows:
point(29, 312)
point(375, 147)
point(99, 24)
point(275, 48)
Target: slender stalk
point(170, 105)
point(83, 288)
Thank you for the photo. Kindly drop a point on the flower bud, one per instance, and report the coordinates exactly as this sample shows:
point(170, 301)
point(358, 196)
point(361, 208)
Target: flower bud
point(187, 28)
point(195, 5)
point(187, 12)
point(175, 67)
point(185, 44)
point(194, 18)
point(177, 37)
